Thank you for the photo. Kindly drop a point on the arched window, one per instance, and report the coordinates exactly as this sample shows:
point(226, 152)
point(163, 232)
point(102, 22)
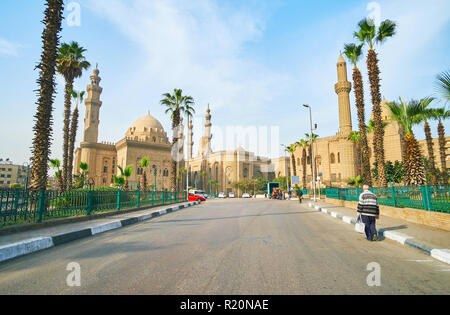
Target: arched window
point(332, 158)
point(154, 139)
point(339, 157)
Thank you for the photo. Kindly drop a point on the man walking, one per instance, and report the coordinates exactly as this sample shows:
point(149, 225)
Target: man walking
point(369, 211)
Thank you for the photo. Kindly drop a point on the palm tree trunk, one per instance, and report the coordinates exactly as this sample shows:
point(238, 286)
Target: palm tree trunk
point(43, 118)
point(294, 168)
point(66, 131)
point(441, 132)
point(304, 158)
point(364, 146)
point(414, 164)
point(374, 78)
point(430, 152)
point(72, 138)
point(175, 124)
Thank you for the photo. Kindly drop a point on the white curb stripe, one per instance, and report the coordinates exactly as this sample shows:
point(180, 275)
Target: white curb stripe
point(441, 254)
point(106, 227)
point(334, 214)
point(161, 212)
point(396, 236)
point(347, 220)
point(25, 247)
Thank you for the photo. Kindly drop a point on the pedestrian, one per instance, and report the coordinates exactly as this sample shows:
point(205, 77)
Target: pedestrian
point(369, 211)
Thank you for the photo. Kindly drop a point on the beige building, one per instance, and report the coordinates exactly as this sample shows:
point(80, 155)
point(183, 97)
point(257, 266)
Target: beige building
point(336, 156)
point(147, 138)
point(227, 167)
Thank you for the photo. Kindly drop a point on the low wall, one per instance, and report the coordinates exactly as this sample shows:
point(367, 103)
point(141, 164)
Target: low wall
point(434, 219)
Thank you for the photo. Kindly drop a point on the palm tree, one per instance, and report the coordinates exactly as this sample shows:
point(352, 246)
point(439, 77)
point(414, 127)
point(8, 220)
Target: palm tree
point(145, 162)
point(182, 172)
point(353, 53)
point(443, 85)
point(291, 150)
point(73, 133)
point(408, 115)
point(177, 105)
point(424, 117)
point(441, 114)
point(356, 182)
point(119, 181)
point(126, 173)
point(43, 118)
point(71, 64)
point(310, 144)
point(355, 137)
point(203, 174)
point(56, 164)
point(304, 145)
point(84, 168)
point(368, 34)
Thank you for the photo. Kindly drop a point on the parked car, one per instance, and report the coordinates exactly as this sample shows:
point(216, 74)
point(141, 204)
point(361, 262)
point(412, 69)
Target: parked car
point(222, 195)
point(231, 195)
point(199, 193)
point(246, 195)
point(194, 197)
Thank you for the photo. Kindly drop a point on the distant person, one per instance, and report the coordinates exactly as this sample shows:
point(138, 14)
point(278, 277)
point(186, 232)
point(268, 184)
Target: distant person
point(369, 211)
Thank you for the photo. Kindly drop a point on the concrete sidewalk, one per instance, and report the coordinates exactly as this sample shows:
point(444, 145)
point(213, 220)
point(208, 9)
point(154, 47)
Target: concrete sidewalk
point(22, 243)
point(432, 241)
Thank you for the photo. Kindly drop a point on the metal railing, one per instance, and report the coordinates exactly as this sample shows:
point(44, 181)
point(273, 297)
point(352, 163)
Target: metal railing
point(430, 198)
point(18, 206)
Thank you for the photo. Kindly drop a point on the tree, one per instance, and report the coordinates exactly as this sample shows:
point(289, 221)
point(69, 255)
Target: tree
point(177, 105)
point(71, 64)
point(408, 115)
point(310, 144)
point(182, 172)
point(353, 53)
point(441, 114)
point(291, 150)
point(368, 34)
point(119, 181)
point(126, 173)
point(355, 137)
point(82, 178)
point(304, 145)
point(443, 85)
point(145, 162)
point(73, 133)
point(282, 180)
point(356, 182)
point(56, 164)
point(394, 172)
point(203, 174)
point(43, 118)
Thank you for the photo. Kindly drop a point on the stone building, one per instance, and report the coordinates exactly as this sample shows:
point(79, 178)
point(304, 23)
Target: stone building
point(147, 138)
point(336, 156)
point(227, 167)
point(11, 174)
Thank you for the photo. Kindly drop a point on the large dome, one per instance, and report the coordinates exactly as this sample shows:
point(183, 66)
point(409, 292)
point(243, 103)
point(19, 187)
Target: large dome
point(146, 123)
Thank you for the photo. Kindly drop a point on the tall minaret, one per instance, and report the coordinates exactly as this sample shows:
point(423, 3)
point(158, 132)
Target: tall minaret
point(343, 88)
point(190, 142)
point(93, 104)
point(205, 144)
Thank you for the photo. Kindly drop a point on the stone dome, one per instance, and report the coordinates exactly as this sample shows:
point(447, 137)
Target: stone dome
point(146, 123)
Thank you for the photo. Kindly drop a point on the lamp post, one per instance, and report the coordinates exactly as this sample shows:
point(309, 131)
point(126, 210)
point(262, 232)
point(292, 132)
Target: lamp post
point(27, 165)
point(312, 151)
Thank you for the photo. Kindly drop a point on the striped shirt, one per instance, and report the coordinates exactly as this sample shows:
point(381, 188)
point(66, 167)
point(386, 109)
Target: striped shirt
point(368, 204)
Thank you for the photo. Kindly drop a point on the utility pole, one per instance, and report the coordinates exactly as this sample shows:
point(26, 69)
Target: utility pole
point(312, 152)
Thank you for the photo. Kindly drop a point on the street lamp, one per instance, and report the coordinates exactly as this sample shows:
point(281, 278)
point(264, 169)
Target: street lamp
point(312, 151)
point(155, 173)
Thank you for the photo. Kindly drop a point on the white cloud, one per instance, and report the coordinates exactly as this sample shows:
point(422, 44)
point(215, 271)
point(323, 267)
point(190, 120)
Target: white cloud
point(8, 48)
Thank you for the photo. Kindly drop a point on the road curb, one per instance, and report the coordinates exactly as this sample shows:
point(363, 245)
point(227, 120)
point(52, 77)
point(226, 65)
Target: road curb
point(33, 245)
point(441, 254)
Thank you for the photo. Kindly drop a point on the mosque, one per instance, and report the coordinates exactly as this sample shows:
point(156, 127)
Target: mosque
point(147, 138)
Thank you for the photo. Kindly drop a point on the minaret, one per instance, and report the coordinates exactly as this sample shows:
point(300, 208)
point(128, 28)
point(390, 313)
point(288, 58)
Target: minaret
point(343, 88)
point(190, 142)
point(93, 104)
point(205, 144)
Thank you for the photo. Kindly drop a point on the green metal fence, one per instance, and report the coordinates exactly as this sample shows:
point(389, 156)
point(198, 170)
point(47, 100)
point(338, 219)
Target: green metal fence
point(430, 198)
point(25, 206)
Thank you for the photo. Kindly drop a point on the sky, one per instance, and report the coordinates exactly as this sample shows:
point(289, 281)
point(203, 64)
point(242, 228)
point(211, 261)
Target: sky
point(254, 61)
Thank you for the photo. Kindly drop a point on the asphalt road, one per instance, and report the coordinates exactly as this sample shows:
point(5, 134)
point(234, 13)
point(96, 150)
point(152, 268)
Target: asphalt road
point(229, 247)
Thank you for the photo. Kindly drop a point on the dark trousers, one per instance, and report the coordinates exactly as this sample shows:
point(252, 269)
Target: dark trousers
point(370, 226)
